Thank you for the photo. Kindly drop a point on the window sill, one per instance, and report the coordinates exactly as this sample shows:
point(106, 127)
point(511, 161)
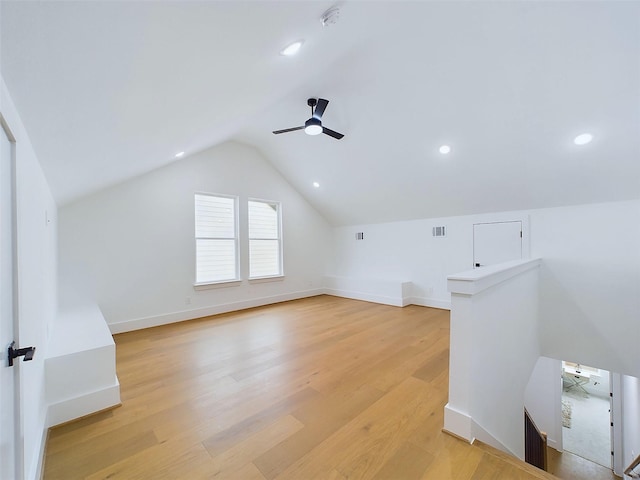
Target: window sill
point(209, 285)
point(274, 278)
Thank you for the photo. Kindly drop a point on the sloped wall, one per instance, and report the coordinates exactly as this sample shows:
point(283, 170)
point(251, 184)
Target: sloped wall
point(131, 248)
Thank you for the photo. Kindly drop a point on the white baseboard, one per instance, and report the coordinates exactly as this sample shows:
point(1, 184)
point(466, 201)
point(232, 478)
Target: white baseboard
point(367, 297)
point(184, 315)
point(387, 300)
point(67, 410)
point(85, 404)
point(554, 444)
point(164, 319)
point(458, 423)
point(465, 427)
point(430, 302)
point(487, 437)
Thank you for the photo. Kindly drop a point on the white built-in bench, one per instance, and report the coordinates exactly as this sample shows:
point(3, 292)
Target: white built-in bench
point(80, 366)
point(388, 292)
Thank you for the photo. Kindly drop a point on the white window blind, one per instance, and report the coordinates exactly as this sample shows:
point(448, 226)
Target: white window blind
point(216, 238)
point(265, 242)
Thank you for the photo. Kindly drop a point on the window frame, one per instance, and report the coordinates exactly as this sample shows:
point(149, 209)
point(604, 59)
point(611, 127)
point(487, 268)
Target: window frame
point(280, 274)
point(227, 282)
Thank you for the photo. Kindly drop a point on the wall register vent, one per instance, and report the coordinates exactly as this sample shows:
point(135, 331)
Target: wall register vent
point(360, 236)
point(439, 231)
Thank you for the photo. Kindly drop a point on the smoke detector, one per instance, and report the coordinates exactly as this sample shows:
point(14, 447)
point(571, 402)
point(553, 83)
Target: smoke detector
point(330, 17)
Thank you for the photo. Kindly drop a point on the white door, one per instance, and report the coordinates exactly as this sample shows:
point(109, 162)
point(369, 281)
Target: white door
point(496, 243)
point(9, 405)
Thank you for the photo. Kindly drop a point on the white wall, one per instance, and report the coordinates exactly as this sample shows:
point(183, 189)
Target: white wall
point(494, 349)
point(542, 399)
point(501, 367)
point(631, 415)
point(590, 284)
point(406, 251)
point(37, 302)
point(589, 279)
point(131, 248)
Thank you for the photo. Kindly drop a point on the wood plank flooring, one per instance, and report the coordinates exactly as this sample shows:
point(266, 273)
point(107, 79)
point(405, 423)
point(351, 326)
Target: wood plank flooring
point(567, 465)
point(324, 388)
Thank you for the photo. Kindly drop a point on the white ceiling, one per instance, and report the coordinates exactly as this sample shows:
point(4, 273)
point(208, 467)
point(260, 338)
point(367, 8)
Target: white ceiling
point(110, 90)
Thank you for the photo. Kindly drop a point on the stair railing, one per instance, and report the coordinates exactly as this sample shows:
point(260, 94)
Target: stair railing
point(630, 471)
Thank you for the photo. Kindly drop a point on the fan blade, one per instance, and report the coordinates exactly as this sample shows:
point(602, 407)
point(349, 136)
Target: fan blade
point(288, 130)
point(321, 105)
point(331, 133)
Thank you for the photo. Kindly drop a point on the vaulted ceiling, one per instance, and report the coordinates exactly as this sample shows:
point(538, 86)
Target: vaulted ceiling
point(110, 90)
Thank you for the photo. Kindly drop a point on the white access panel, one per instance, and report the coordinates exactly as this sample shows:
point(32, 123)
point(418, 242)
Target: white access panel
point(496, 242)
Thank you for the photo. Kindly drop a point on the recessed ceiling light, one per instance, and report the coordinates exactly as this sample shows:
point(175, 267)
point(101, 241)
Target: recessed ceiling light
point(179, 154)
point(583, 139)
point(316, 184)
point(444, 149)
point(292, 49)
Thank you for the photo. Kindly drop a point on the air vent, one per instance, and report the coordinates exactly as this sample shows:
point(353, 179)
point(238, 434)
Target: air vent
point(439, 231)
point(360, 236)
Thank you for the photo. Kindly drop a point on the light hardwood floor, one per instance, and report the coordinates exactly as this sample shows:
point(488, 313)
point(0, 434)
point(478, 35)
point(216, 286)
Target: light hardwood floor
point(323, 388)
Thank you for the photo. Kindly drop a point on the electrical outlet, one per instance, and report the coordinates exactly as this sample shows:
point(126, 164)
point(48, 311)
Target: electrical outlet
point(187, 301)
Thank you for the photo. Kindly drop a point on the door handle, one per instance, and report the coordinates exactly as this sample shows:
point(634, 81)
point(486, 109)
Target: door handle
point(27, 353)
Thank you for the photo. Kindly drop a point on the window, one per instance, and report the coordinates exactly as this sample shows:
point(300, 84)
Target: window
point(265, 243)
point(216, 238)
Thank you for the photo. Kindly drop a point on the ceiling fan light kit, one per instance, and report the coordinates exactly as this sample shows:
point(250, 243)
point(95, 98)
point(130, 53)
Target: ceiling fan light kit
point(313, 126)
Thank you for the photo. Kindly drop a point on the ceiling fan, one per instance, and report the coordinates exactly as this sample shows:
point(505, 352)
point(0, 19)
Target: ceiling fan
point(313, 126)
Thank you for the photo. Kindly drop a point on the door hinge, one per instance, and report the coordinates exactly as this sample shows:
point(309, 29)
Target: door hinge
point(520, 233)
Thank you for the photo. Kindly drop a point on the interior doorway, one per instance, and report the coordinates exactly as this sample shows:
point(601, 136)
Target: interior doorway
point(587, 413)
point(10, 439)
